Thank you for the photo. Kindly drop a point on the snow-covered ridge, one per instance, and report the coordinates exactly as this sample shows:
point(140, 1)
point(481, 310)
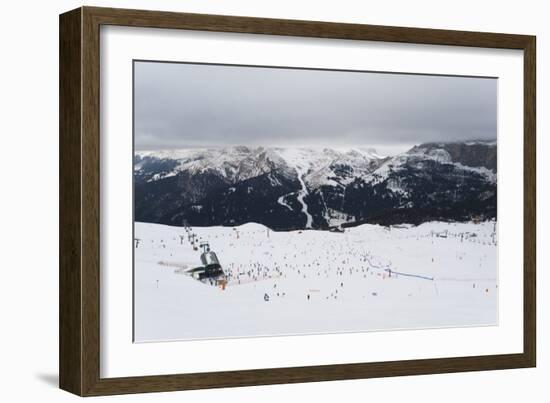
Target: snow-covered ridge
point(314, 165)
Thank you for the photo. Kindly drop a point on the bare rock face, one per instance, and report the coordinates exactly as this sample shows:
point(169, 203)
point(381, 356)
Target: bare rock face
point(471, 154)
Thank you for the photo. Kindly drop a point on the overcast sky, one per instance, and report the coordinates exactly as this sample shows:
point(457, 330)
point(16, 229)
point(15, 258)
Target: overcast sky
point(181, 105)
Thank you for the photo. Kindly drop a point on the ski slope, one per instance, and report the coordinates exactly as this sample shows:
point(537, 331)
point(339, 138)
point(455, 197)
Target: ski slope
point(301, 282)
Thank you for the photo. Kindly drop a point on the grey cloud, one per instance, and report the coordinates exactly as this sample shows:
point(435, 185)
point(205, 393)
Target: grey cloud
point(191, 105)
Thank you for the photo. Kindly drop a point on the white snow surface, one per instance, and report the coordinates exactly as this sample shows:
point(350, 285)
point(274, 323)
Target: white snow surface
point(367, 278)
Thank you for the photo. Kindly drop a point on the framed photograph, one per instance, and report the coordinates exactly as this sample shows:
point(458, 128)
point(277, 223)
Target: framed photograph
point(249, 201)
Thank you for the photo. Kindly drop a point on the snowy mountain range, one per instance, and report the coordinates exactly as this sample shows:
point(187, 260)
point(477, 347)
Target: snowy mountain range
point(321, 188)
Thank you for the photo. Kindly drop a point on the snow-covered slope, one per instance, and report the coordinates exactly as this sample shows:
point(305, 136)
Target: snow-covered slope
point(328, 166)
point(301, 282)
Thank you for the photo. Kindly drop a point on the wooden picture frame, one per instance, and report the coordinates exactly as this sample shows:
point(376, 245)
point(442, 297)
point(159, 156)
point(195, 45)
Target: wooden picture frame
point(79, 278)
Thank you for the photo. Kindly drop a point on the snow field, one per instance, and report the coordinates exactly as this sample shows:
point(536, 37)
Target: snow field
point(301, 282)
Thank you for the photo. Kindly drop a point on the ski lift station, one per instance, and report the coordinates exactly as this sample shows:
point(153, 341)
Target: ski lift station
point(211, 270)
point(210, 262)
